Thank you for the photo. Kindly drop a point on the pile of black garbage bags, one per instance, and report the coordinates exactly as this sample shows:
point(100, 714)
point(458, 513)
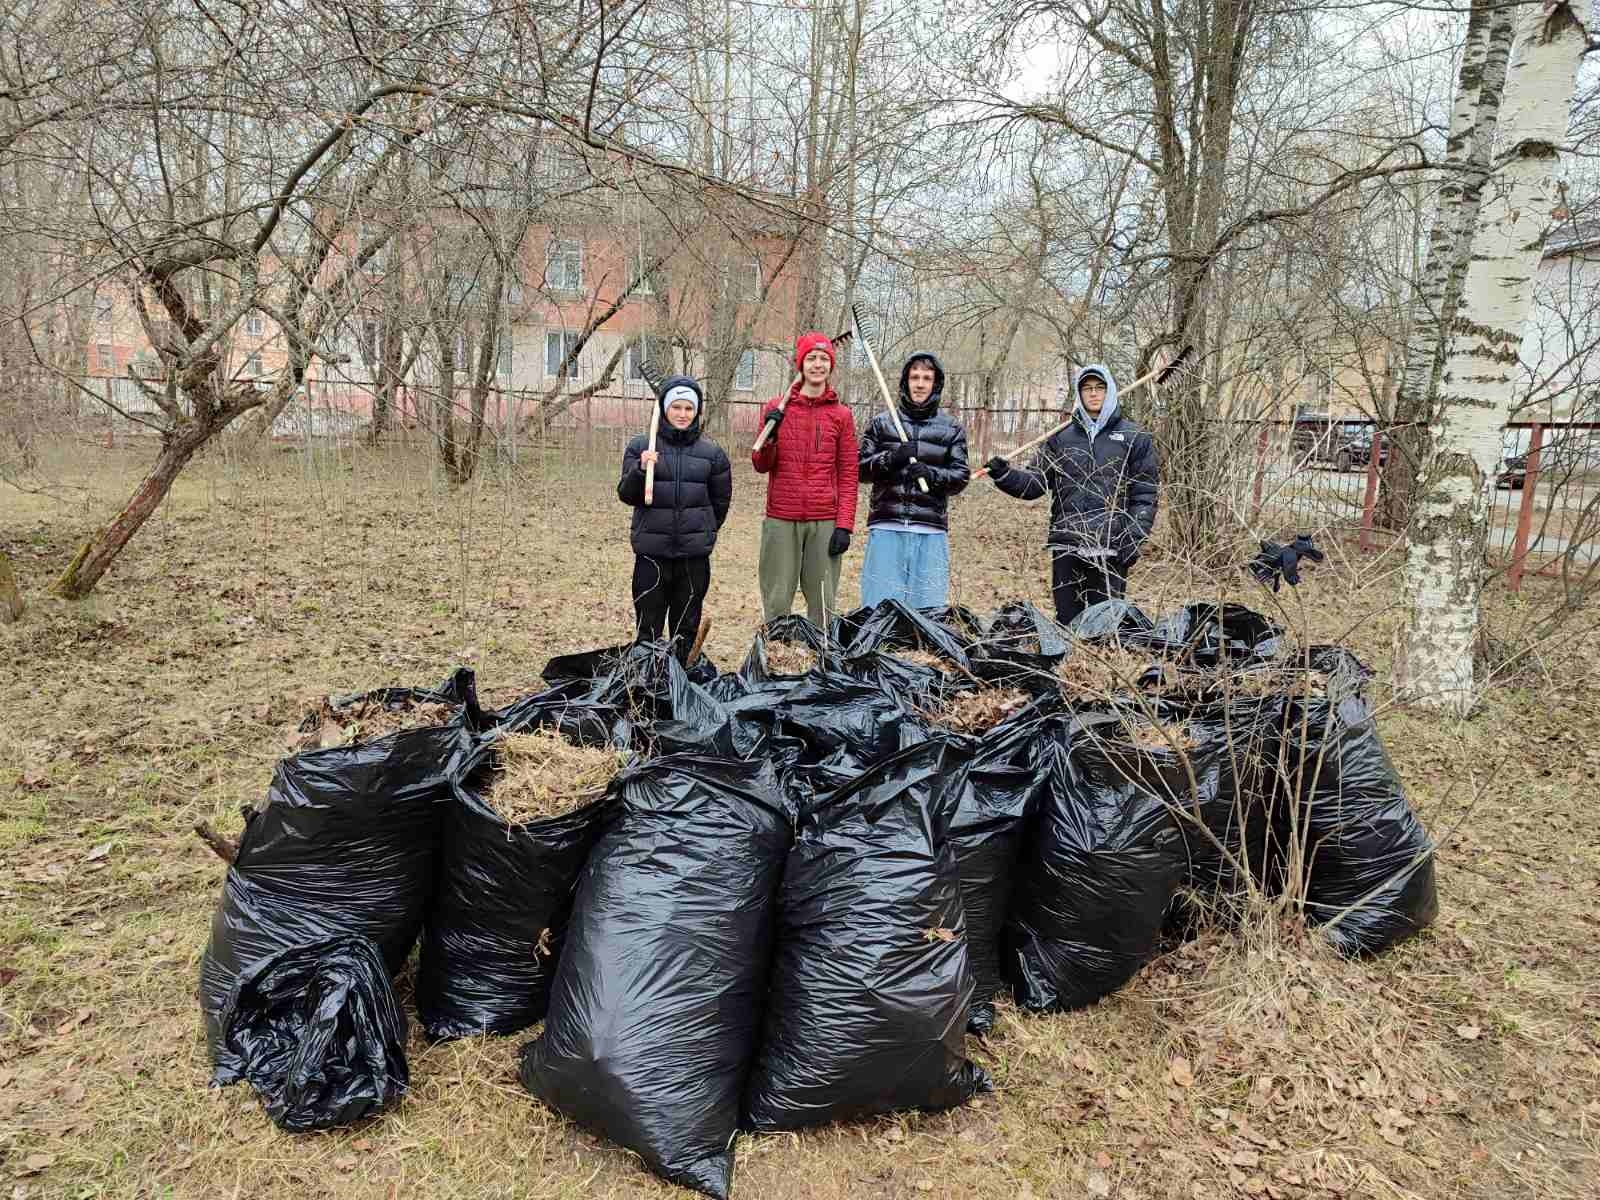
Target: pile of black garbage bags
point(803, 892)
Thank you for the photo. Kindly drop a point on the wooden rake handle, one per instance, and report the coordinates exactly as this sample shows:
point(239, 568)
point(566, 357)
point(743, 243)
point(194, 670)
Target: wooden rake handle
point(650, 469)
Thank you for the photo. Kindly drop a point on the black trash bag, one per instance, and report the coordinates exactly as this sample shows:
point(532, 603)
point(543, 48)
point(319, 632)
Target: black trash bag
point(1224, 821)
point(1020, 627)
point(964, 624)
point(1099, 868)
point(1114, 621)
point(891, 626)
point(1364, 845)
point(792, 628)
point(995, 784)
point(318, 1032)
point(495, 930)
point(605, 661)
point(870, 986)
point(570, 707)
point(658, 998)
point(842, 719)
point(1206, 634)
point(345, 843)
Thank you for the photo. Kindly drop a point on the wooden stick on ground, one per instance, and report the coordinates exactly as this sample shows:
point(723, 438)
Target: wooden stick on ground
point(224, 848)
point(699, 640)
point(1160, 375)
point(770, 424)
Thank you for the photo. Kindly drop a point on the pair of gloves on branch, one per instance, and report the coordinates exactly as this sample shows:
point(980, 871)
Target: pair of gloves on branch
point(1281, 563)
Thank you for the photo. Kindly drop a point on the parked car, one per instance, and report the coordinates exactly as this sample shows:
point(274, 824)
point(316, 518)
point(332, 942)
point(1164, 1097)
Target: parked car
point(1355, 450)
point(1513, 471)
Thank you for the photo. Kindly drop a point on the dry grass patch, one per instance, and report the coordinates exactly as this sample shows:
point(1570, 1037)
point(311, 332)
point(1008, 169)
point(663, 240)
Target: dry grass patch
point(542, 775)
point(790, 658)
point(1174, 736)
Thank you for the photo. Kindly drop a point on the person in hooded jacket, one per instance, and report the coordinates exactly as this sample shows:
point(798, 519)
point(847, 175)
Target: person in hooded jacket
point(810, 465)
point(673, 537)
point(1102, 474)
point(908, 540)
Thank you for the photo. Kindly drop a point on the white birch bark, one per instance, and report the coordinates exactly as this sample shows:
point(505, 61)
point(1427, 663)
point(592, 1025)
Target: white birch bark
point(1444, 561)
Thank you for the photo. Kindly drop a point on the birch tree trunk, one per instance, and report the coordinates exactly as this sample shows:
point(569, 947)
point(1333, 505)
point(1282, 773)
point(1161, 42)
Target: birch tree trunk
point(1473, 121)
point(1444, 561)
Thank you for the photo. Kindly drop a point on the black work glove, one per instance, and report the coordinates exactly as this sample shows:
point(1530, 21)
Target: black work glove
point(918, 471)
point(838, 543)
point(775, 418)
point(902, 453)
point(1267, 567)
point(1291, 555)
point(996, 467)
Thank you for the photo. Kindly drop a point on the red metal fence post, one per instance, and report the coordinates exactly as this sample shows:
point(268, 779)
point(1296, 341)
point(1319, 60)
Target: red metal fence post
point(1530, 489)
point(1261, 470)
point(1371, 502)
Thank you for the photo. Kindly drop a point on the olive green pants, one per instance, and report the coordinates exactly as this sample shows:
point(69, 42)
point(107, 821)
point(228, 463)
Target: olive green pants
point(795, 554)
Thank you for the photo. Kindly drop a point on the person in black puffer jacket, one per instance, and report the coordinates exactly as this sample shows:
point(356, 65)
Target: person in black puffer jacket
point(908, 543)
point(673, 537)
point(1102, 473)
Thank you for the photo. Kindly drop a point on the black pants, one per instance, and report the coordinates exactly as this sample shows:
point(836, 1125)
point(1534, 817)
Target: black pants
point(1076, 583)
point(672, 592)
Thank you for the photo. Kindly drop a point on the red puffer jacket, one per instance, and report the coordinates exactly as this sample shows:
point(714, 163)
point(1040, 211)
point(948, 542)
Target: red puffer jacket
point(812, 460)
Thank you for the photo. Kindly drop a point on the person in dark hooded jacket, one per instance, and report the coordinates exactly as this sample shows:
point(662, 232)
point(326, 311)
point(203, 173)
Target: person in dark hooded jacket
point(908, 541)
point(1102, 474)
point(673, 537)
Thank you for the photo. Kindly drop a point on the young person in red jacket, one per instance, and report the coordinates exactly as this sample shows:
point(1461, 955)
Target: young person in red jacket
point(810, 461)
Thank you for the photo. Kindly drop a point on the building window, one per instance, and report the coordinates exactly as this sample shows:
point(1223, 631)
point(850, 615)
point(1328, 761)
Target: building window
point(252, 367)
point(252, 324)
point(751, 278)
point(557, 345)
point(368, 337)
point(564, 265)
point(502, 362)
point(105, 359)
point(655, 351)
point(647, 280)
point(744, 379)
point(102, 309)
point(557, 163)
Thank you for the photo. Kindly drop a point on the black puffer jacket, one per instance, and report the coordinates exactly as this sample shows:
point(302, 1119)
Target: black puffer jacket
point(694, 487)
point(941, 448)
point(1102, 492)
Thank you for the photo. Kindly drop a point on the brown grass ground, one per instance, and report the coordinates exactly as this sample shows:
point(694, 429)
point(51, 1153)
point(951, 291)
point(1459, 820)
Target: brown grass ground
point(1465, 1064)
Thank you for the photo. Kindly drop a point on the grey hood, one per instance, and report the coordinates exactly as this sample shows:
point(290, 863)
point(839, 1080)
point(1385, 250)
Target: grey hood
point(1108, 411)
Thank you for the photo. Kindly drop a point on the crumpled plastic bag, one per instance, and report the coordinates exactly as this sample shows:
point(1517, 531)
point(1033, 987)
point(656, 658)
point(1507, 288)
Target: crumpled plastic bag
point(317, 1031)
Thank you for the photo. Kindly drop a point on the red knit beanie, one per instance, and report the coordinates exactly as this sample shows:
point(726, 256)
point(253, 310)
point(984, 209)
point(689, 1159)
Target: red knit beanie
point(807, 342)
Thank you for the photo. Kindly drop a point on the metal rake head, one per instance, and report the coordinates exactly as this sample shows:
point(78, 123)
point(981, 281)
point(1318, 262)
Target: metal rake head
point(863, 325)
point(652, 376)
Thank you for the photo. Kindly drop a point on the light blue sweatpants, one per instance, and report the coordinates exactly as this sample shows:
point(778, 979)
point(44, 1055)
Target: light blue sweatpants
point(913, 568)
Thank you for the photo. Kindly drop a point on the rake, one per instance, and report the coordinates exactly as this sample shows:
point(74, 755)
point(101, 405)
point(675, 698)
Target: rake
point(1159, 376)
point(863, 330)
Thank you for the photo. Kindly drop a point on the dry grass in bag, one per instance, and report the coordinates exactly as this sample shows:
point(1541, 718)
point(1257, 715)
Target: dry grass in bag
point(978, 710)
point(1154, 735)
point(363, 721)
point(1093, 673)
point(542, 775)
point(790, 658)
point(923, 658)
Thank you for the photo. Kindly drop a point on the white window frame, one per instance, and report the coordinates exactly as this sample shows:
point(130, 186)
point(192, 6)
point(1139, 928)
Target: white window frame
point(504, 349)
point(636, 348)
point(558, 344)
point(252, 324)
point(753, 280)
point(744, 375)
point(252, 366)
point(647, 281)
point(566, 251)
point(105, 358)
